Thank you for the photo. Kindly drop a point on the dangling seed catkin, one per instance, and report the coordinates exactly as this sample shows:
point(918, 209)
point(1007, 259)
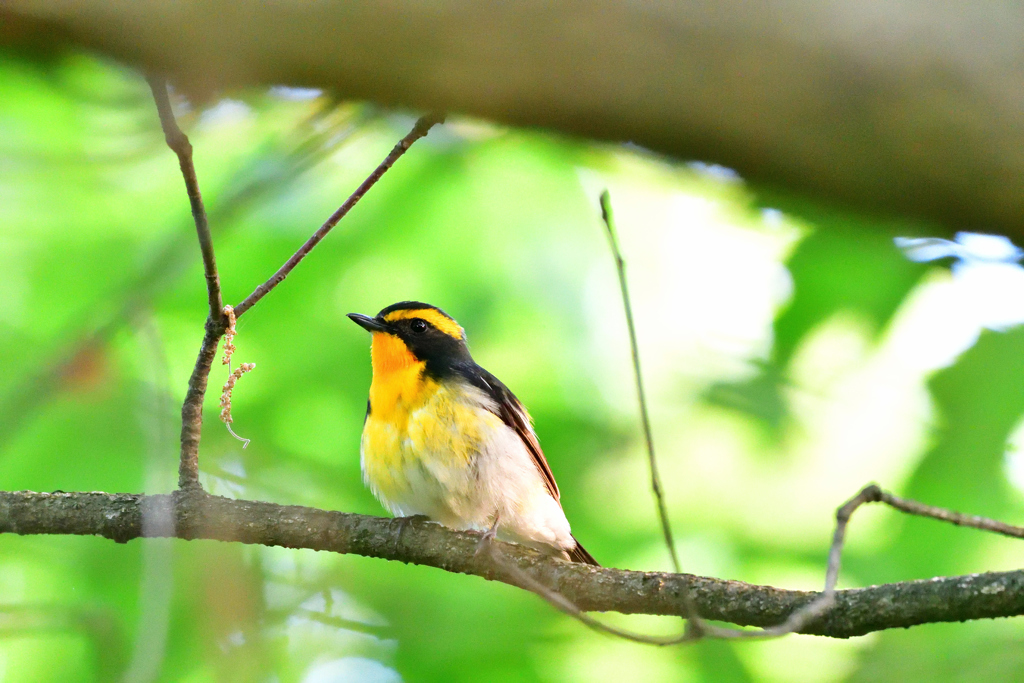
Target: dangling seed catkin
point(229, 336)
point(229, 386)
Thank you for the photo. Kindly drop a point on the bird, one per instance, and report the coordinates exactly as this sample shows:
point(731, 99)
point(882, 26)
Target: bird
point(445, 439)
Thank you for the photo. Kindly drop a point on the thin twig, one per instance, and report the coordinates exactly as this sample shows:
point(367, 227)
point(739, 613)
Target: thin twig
point(913, 507)
point(799, 619)
point(695, 629)
point(518, 577)
point(620, 265)
point(422, 127)
point(258, 179)
point(179, 144)
point(192, 408)
point(871, 493)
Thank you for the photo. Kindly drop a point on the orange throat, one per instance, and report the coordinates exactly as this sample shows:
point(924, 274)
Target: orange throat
point(398, 382)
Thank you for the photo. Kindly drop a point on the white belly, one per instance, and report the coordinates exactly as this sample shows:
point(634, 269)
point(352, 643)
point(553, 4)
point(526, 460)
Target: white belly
point(456, 462)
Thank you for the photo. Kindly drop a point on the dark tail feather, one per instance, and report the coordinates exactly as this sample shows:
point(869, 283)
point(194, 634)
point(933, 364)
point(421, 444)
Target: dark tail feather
point(580, 554)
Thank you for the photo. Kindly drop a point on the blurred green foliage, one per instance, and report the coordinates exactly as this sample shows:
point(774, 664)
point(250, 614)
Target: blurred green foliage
point(101, 312)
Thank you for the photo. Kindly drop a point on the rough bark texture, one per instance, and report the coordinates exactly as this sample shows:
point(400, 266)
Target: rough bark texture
point(914, 108)
point(193, 514)
point(192, 408)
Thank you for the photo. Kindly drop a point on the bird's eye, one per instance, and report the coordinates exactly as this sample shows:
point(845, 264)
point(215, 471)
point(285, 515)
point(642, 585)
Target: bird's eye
point(418, 326)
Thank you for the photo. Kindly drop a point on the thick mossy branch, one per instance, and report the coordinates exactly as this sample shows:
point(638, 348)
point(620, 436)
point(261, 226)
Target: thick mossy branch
point(193, 514)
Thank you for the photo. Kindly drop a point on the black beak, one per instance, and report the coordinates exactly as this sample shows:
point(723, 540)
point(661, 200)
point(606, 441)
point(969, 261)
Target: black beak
point(368, 323)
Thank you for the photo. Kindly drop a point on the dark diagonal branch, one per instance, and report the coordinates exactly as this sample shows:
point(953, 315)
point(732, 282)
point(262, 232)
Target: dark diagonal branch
point(192, 408)
point(422, 127)
point(192, 514)
point(620, 266)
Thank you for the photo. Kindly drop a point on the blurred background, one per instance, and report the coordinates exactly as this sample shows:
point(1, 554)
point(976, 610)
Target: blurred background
point(791, 357)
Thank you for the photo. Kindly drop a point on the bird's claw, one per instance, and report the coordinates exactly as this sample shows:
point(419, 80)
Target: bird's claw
point(403, 522)
point(485, 540)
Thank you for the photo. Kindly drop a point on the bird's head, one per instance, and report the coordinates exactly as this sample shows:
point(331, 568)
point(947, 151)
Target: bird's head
point(414, 333)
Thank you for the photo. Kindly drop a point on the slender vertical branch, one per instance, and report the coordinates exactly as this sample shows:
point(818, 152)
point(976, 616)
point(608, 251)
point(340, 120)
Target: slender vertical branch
point(179, 144)
point(620, 265)
point(696, 627)
point(422, 127)
point(192, 408)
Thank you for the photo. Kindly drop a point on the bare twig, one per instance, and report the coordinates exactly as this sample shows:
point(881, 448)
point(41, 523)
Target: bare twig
point(179, 144)
point(872, 493)
point(422, 127)
point(696, 627)
point(217, 322)
point(620, 265)
point(913, 507)
point(799, 619)
point(258, 179)
point(192, 408)
point(517, 576)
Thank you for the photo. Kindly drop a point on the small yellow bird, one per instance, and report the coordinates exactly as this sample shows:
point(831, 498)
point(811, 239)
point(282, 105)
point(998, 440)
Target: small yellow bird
point(445, 439)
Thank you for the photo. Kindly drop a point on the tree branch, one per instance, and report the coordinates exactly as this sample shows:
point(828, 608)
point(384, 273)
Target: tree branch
point(192, 408)
point(422, 127)
point(193, 514)
point(179, 144)
point(645, 420)
point(909, 107)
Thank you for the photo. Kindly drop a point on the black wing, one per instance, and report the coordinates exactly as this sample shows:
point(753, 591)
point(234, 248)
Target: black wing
point(580, 554)
point(512, 413)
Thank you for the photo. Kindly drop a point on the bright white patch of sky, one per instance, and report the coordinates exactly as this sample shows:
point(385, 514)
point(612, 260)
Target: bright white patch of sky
point(986, 292)
point(295, 94)
point(988, 278)
point(351, 670)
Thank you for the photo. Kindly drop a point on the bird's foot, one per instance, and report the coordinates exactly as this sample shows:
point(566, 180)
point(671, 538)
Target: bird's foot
point(489, 535)
point(403, 522)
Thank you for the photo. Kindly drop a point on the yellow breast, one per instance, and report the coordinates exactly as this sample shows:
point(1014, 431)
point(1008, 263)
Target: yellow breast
point(398, 382)
point(420, 436)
